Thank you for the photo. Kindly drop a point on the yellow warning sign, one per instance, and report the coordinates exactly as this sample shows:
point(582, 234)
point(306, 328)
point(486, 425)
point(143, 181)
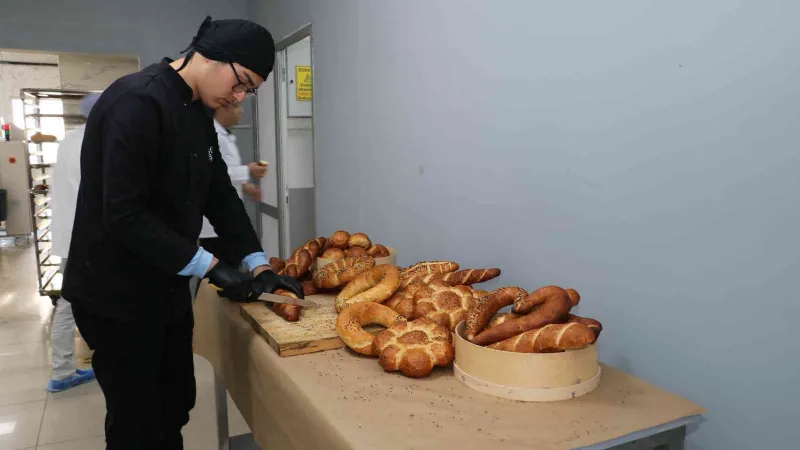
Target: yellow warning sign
point(302, 76)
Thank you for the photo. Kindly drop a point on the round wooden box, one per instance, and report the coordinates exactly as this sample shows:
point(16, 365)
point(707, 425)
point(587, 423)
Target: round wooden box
point(391, 259)
point(528, 377)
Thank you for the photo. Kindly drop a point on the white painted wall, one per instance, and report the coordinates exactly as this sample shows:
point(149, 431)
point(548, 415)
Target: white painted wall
point(644, 152)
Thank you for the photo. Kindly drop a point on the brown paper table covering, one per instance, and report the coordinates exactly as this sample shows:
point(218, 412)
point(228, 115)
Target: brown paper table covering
point(338, 400)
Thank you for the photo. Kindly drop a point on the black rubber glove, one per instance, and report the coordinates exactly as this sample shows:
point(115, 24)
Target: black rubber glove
point(270, 281)
point(236, 286)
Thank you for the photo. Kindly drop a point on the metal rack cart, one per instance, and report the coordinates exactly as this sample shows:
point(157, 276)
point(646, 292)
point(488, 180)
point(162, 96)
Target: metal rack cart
point(40, 164)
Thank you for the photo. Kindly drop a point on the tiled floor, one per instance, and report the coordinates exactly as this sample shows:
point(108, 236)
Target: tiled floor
point(30, 418)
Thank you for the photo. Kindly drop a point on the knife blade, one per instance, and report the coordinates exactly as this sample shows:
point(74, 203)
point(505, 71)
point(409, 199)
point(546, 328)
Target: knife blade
point(274, 298)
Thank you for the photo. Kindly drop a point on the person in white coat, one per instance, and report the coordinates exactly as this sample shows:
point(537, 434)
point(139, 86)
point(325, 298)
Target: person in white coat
point(64, 191)
point(224, 118)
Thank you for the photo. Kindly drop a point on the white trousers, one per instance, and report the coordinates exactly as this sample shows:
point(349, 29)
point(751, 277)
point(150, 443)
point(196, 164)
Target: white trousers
point(62, 337)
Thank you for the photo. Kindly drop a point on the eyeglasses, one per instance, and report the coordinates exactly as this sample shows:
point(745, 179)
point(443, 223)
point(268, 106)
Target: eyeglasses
point(241, 86)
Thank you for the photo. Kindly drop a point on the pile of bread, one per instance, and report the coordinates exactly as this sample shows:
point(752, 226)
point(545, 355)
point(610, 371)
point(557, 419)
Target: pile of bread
point(340, 246)
point(422, 304)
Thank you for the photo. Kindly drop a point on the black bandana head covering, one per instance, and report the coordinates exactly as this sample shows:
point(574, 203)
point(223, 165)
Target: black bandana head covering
point(235, 40)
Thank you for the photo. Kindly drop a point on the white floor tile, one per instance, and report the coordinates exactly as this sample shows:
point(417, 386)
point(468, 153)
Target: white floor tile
point(23, 386)
point(24, 356)
point(93, 443)
point(23, 332)
point(19, 425)
point(74, 414)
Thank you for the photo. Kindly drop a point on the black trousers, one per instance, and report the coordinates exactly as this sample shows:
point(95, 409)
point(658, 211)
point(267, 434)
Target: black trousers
point(146, 372)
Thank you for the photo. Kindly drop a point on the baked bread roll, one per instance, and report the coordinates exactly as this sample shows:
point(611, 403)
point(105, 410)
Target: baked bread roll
point(339, 239)
point(403, 300)
point(374, 285)
point(414, 348)
point(593, 325)
point(341, 272)
point(378, 251)
point(574, 296)
point(333, 253)
point(323, 244)
point(356, 251)
point(548, 339)
point(445, 305)
point(428, 268)
point(462, 277)
point(487, 306)
point(349, 325)
point(289, 313)
point(359, 240)
point(551, 303)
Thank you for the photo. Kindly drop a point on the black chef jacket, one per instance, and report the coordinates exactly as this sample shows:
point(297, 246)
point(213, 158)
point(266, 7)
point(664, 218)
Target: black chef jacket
point(150, 169)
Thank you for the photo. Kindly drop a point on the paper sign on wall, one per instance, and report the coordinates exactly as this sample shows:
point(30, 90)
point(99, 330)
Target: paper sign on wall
point(302, 76)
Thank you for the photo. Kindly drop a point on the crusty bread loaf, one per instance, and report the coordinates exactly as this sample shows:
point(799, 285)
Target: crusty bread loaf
point(374, 285)
point(500, 318)
point(333, 253)
point(350, 322)
point(378, 251)
point(548, 339)
point(574, 296)
point(594, 325)
point(309, 288)
point(356, 251)
point(359, 240)
point(487, 306)
point(414, 348)
point(551, 303)
point(462, 277)
point(341, 272)
point(289, 313)
point(445, 305)
point(427, 268)
point(339, 239)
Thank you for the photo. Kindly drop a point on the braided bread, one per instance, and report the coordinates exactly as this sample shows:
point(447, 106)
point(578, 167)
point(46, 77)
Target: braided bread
point(414, 348)
point(488, 305)
point(461, 277)
point(551, 303)
point(298, 264)
point(341, 272)
point(276, 264)
point(349, 324)
point(289, 313)
point(403, 300)
point(548, 339)
point(428, 267)
point(374, 285)
point(359, 240)
point(444, 304)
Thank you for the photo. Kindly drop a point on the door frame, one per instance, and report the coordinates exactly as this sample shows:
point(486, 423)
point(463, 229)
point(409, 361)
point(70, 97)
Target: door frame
point(281, 127)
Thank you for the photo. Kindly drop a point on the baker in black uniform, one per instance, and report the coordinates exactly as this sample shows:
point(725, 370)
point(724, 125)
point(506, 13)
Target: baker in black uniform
point(150, 169)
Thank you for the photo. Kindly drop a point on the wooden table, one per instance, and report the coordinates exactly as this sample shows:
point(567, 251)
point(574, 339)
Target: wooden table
point(338, 400)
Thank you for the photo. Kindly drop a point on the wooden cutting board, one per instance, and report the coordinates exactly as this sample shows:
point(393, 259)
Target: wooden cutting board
point(314, 332)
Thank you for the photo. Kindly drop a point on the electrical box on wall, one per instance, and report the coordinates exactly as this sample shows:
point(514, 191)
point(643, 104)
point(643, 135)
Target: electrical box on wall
point(299, 78)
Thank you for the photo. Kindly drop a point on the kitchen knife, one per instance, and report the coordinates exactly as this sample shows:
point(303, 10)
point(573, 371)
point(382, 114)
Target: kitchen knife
point(274, 298)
